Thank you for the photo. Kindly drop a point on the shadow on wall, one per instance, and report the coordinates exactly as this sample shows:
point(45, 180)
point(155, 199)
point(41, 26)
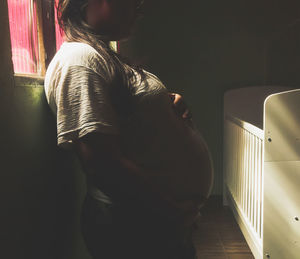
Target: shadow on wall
point(43, 187)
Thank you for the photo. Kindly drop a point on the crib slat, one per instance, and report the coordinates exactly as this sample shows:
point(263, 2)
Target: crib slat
point(256, 184)
point(243, 161)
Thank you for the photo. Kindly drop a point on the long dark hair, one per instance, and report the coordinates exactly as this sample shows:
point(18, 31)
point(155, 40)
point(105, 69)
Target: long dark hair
point(71, 19)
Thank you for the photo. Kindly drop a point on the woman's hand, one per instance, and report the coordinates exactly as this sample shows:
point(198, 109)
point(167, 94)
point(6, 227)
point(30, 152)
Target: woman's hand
point(180, 106)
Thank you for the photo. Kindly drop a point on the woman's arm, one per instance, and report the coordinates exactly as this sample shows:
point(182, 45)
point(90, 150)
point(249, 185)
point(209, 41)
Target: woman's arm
point(123, 180)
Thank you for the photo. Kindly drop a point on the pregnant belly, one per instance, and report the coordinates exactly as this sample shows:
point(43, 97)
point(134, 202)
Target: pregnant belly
point(186, 172)
point(174, 154)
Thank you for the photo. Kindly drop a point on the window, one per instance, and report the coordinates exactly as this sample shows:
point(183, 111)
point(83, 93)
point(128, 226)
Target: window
point(35, 35)
point(25, 30)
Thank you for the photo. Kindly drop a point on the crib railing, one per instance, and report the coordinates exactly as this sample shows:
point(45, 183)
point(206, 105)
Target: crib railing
point(243, 176)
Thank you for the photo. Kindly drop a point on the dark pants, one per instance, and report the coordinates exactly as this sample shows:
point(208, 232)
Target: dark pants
point(121, 232)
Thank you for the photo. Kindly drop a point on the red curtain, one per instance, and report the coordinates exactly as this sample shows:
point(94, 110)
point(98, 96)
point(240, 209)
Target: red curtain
point(23, 33)
point(58, 31)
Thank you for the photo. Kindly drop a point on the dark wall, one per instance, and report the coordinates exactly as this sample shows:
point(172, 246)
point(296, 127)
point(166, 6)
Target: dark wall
point(45, 187)
point(284, 57)
point(202, 48)
point(41, 187)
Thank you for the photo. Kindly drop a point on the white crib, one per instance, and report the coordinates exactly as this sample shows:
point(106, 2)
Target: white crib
point(257, 164)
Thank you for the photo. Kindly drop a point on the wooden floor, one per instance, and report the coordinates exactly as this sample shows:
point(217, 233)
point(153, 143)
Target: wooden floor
point(218, 235)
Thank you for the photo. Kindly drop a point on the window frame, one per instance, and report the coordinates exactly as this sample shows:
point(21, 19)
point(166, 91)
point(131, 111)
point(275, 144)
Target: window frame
point(45, 39)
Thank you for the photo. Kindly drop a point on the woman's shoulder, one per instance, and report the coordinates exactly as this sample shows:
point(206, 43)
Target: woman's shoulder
point(80, 54)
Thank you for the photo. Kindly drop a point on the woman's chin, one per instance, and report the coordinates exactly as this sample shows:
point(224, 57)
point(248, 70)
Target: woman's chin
point(122, 35)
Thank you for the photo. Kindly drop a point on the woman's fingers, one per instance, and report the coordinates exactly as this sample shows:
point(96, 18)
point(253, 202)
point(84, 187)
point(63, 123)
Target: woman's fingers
point(172, 96)
point(180, 106)
point(187, 114)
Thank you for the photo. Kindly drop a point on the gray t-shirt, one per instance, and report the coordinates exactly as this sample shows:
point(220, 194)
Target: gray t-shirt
point(77, 86)
point(77, 89)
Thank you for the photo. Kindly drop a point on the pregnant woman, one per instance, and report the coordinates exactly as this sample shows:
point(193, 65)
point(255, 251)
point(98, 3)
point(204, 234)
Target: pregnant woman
point(148, 170)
